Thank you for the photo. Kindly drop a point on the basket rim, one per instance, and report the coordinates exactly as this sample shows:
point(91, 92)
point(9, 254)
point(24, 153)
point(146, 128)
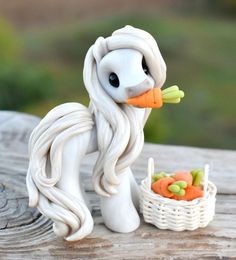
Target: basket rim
point(156, 197)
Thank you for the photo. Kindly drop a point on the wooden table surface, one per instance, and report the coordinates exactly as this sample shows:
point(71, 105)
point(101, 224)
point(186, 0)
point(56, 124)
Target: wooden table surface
point(26, 234)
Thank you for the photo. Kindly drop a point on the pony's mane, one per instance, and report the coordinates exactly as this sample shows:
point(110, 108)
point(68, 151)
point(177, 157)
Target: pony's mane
point(119, 126)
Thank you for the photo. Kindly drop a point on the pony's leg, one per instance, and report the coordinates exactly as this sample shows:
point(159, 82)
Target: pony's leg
point(135, 190)
point(73, 153)
point(118, 211)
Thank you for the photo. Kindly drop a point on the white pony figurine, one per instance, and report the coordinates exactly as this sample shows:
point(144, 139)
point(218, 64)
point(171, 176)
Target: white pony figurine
point(123, 75)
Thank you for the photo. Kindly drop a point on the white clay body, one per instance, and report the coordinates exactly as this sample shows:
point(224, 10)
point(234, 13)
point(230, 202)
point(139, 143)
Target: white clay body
point(118, 211)
point(113, 72)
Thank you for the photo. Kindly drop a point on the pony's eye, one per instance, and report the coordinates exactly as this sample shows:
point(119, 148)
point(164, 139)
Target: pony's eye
point(145, 67)
point(114, 80)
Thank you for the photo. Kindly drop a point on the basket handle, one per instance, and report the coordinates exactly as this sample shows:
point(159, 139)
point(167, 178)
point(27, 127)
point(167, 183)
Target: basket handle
point(150, 172)
point(205, 179)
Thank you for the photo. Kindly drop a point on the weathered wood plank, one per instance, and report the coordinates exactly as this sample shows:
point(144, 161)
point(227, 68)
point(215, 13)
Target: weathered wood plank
point(215, 241)
point(25, 233)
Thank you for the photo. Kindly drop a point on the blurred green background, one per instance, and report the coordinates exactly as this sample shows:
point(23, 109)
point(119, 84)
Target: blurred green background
point(43, 45)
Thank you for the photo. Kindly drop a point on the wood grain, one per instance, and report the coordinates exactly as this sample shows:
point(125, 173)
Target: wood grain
point(26, 234)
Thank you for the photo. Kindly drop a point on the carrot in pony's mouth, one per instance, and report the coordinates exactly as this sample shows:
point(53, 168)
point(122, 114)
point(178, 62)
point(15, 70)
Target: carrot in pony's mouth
point(154, 98)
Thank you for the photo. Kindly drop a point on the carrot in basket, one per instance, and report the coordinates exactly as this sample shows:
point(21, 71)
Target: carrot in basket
point(191, 193)
point(178, 188)
point(158, 176)
point(161, 187)
point(197, 177)
point(184, 176)
point(156, 186)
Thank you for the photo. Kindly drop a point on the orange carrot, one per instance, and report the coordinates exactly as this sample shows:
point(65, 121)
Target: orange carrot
point(191, 193)
point(164, 187)
point(156, 186)
point(150, 99)
point(161, 187)
point(184, 176)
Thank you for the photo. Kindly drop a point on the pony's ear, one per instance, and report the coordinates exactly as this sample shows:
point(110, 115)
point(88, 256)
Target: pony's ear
point(100, 49)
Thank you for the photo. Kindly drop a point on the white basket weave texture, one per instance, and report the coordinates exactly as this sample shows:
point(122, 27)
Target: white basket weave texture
point(176, 215)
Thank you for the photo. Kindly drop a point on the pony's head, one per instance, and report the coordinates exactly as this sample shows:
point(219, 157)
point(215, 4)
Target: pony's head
point(123, 74)
point(116, 68)
point(128, 63)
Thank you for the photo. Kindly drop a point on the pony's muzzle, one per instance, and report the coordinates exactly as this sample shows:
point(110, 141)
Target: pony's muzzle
point(136, 90)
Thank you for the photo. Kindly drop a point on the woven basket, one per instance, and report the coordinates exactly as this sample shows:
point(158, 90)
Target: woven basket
point(176, 215)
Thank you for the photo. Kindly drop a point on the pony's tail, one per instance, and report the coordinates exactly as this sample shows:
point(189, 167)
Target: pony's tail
point(71, 217)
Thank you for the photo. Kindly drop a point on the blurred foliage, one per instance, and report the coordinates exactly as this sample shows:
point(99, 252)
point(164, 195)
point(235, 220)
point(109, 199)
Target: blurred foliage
point(200, 54)
point(20, 82)
point(10, 43)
